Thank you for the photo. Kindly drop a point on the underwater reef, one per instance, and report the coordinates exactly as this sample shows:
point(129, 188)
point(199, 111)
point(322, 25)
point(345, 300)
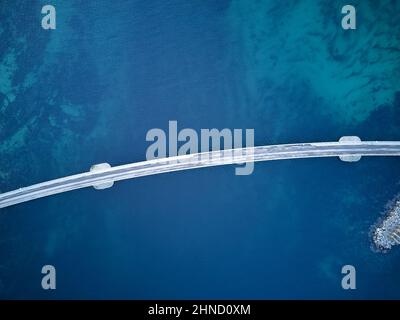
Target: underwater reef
point(386, 232)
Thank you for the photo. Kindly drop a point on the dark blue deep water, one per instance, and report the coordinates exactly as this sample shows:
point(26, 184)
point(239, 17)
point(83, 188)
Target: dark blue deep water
point(89, 91)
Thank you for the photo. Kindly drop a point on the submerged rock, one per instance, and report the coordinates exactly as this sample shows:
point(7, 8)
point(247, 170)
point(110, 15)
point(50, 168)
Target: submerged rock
point(386, 232)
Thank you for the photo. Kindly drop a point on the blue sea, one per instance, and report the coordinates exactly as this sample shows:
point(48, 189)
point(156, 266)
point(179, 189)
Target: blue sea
point(90, 90)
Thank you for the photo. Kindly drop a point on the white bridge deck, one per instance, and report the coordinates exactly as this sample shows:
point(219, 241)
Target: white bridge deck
point(103, 176)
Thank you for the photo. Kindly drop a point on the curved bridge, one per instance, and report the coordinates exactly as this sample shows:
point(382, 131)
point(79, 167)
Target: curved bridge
point(103, 175)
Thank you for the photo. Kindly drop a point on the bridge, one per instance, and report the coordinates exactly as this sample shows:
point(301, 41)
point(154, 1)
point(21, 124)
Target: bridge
point(102, 176)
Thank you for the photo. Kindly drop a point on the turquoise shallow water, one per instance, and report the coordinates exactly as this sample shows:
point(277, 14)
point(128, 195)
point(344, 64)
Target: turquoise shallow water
point(89, 91)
